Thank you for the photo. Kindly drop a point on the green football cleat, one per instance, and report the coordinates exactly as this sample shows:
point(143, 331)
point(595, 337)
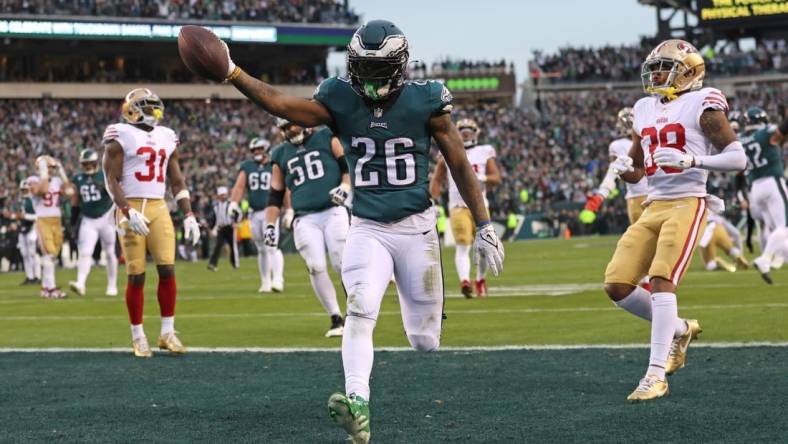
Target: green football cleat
point(352, 414)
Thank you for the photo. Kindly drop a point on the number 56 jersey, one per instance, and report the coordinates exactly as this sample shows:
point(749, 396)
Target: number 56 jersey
point(676, 125)
point(145, 158)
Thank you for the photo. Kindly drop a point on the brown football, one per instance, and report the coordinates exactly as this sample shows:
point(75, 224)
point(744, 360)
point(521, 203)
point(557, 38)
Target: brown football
point(203, 53)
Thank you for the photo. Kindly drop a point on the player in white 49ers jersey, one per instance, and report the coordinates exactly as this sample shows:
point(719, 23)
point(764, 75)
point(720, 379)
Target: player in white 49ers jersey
point(46, 189)
point(139, 160)
point(482, 160)
point(674, 132)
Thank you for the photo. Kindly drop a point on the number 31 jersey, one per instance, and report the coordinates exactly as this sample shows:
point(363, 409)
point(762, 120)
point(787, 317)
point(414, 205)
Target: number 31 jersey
point(145, 158)
point(676, 125)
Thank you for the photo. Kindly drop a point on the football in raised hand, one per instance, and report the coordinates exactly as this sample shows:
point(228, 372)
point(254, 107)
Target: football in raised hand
point(203, 53)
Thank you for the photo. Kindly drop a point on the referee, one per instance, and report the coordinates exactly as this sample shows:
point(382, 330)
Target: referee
point(224, 228)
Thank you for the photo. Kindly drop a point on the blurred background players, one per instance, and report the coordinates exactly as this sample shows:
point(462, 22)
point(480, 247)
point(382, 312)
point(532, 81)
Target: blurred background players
point(768, 196)
point(94, 204)
point(222, 224)
point(721, 234)
point(311, 165)
point(28, 236)
point(254, 180)
point(482, 160)
point(46, 188)
point(139, 160)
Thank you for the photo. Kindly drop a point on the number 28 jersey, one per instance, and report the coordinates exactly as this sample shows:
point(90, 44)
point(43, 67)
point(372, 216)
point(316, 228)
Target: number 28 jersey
point(676, 125)
point(145, 158)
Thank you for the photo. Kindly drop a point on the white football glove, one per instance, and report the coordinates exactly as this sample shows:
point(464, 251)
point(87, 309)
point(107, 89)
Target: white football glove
point(43, 169)
point(340, 194)
point(270, 236)
point(673, 158)
point(137, 222)
point(287, 218)
point(230, 64)
point(622, 164)
point(234, 211)
point(489, 248)
point(191, 229)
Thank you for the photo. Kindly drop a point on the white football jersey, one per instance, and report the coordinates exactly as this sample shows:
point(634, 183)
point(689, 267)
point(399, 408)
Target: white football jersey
point(675, 125)
point(620, 147)
point(47, 205)
point(477, 156)
point(145, 158)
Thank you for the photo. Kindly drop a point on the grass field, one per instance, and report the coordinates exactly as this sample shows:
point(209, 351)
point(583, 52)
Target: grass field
point(550, 295)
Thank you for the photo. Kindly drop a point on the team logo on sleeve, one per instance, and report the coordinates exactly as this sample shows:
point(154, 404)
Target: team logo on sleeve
point(445, 95)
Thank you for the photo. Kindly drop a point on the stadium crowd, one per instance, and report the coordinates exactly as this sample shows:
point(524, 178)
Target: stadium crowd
point(300, 11)
point(622, 63)
point(549, 160)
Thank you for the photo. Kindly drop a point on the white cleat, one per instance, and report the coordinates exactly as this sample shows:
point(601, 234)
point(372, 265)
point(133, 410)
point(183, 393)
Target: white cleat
point(278, 286)
point(264, 288)
point(111, 291)
point(76, 288)
point(763, 265)
point(335, 332)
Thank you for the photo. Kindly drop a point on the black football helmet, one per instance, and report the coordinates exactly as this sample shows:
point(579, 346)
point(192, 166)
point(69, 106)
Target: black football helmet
point(377, 58)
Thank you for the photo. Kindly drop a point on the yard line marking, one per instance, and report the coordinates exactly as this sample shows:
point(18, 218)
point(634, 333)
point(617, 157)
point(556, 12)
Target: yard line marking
point(534, 290)
point(385, 313)
point(449, 349)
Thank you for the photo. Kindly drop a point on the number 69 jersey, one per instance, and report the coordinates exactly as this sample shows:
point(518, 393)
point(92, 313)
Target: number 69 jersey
point(675, 125)
point(145, 158)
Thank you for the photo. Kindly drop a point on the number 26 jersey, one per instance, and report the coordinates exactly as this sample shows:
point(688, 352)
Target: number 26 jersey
point(145, 158)
point(676, 125)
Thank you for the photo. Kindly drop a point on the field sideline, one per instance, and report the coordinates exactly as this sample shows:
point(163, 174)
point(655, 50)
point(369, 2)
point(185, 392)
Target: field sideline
point(547, 358)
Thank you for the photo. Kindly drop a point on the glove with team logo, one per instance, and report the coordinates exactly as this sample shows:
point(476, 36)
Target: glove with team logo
point(669, 157)
point(622, 164)
point(340, 194)
point(270, 236)
point(234, 211)
point(489, 248)
point(191, 229)
point(287, 218)
point(137, 222)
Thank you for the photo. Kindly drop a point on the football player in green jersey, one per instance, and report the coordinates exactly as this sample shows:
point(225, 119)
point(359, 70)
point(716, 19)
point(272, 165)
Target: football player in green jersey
point(28, 236)
point(768, 197)
point(92, 201)
point(254, 180)
point(385, 124)
point(311, 165)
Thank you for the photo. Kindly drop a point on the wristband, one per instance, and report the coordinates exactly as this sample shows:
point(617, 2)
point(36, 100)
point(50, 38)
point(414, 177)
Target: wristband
point(183, 194)
point(188, 215)
point(483, 223)
point(125, 210)
point(234, 75)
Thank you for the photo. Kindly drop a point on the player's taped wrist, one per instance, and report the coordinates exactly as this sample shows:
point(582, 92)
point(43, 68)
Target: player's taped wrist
point(234, 74)
point(183, 194)
point(125, 210)
point(732, 158)
point(342, 165)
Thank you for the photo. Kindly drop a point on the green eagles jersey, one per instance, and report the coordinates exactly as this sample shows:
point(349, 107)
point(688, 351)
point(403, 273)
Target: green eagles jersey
point(28, 209)
point(310, 171)
point(94, 200)
point(258, 183)
point(386, 147)
point(765, 159)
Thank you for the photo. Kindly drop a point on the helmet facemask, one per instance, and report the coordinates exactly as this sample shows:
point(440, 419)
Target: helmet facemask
point(88, 160)
point(260, 149)
point(469, 132)
point(142, 106)
point(673, 67)
point(377, 59)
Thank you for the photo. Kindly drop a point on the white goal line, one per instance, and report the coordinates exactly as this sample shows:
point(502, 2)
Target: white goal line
point(448, 349)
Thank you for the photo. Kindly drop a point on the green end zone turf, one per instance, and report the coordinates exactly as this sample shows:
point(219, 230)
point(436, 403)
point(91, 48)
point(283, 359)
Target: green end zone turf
point(723, 395)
